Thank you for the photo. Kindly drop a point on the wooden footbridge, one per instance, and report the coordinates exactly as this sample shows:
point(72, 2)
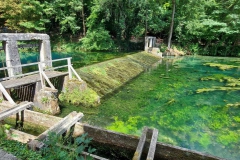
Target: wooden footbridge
point(41, 75)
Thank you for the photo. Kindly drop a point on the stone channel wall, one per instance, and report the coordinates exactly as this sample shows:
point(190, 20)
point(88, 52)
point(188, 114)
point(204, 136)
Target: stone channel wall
point(106, 77)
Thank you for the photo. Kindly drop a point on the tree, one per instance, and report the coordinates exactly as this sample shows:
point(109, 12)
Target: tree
point(172, 23)
point(16, 15)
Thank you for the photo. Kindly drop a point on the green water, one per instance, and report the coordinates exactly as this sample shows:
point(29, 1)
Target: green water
point(165, 97)
point(79, 59)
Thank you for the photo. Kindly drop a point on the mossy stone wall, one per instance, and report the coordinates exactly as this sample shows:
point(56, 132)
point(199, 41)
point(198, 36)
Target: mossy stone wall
point(105, 77)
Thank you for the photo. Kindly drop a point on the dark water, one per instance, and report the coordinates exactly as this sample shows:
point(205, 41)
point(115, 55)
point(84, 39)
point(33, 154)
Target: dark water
point(166, 97)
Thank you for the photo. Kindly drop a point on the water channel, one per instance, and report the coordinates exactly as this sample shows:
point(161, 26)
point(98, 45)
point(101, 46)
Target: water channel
point(193, 102)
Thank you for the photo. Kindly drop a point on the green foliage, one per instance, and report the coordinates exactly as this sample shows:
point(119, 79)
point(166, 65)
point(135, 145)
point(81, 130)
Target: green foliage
point(45, 100)
point(64, 14)
point(210, 25)
point(18, 149)
point(204, 27)
point(16, 15)
point(65, 149)
point(97, 39)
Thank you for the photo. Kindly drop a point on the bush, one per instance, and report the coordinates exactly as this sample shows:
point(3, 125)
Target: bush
point(97, 39)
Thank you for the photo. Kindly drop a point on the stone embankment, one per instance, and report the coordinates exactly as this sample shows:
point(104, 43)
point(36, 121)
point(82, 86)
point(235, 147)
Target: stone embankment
point(107, 76)
point(6, 156)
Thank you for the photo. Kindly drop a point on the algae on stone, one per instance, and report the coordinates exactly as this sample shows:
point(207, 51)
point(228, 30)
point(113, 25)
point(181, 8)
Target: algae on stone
point(231, 83)
point(221, 66)
point(237, 104)
point(216, 88)
point(107, 76)
point(78, 93)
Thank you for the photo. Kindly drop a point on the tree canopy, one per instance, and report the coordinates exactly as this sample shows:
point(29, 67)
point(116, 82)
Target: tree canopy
point(210, 27)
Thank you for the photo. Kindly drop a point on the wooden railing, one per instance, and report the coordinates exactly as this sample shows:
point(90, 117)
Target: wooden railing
point(71, 70)
point(41, 70)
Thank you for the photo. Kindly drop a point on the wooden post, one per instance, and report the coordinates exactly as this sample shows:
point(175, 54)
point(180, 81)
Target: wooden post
point(138, 152)
point(153, 144)
point(69, 68)
point(40, 74)
point(17, 119)
point(22, 119)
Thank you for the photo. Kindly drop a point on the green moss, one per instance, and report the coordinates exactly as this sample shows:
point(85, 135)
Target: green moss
point(228, 137)
point(237, 119)
point(107, 76)
point(216, 88)
point(221, 66)
point(237, 104)
point(128, 127)
point(28, 127)
point(231, 83)
point(85, 98)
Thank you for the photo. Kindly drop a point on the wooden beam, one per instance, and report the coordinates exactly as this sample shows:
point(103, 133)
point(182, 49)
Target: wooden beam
point(63, 125)
point(20, 136)
point(15, 110)
point(138, 152)
point(9, 98)
point(153, 144)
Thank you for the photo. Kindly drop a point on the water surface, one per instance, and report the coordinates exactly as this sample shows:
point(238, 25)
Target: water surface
point(167, 97)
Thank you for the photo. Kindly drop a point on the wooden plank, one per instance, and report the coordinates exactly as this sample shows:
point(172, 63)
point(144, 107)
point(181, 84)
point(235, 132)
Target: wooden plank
point(62, 125)
point(15, 110)
point(153, 144)
point(20, 136)
point(138, 152)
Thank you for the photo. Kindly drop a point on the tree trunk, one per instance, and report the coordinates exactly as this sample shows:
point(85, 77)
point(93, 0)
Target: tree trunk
point(83, 20)
point(146, 25)
point(172, 22)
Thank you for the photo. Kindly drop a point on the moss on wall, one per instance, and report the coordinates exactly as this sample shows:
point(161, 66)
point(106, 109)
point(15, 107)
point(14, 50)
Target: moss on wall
point(78, 93)
point(107, 76)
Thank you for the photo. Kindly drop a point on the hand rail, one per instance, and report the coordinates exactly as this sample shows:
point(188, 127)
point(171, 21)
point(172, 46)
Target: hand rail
point(35, 63)
point(41, 70)
point(71, 69)
point(44, 76)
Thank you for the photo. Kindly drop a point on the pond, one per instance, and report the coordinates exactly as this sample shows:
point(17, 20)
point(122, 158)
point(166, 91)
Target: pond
point(193, 101)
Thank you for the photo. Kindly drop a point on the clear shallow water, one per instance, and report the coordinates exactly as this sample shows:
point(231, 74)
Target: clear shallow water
point(165, 97)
